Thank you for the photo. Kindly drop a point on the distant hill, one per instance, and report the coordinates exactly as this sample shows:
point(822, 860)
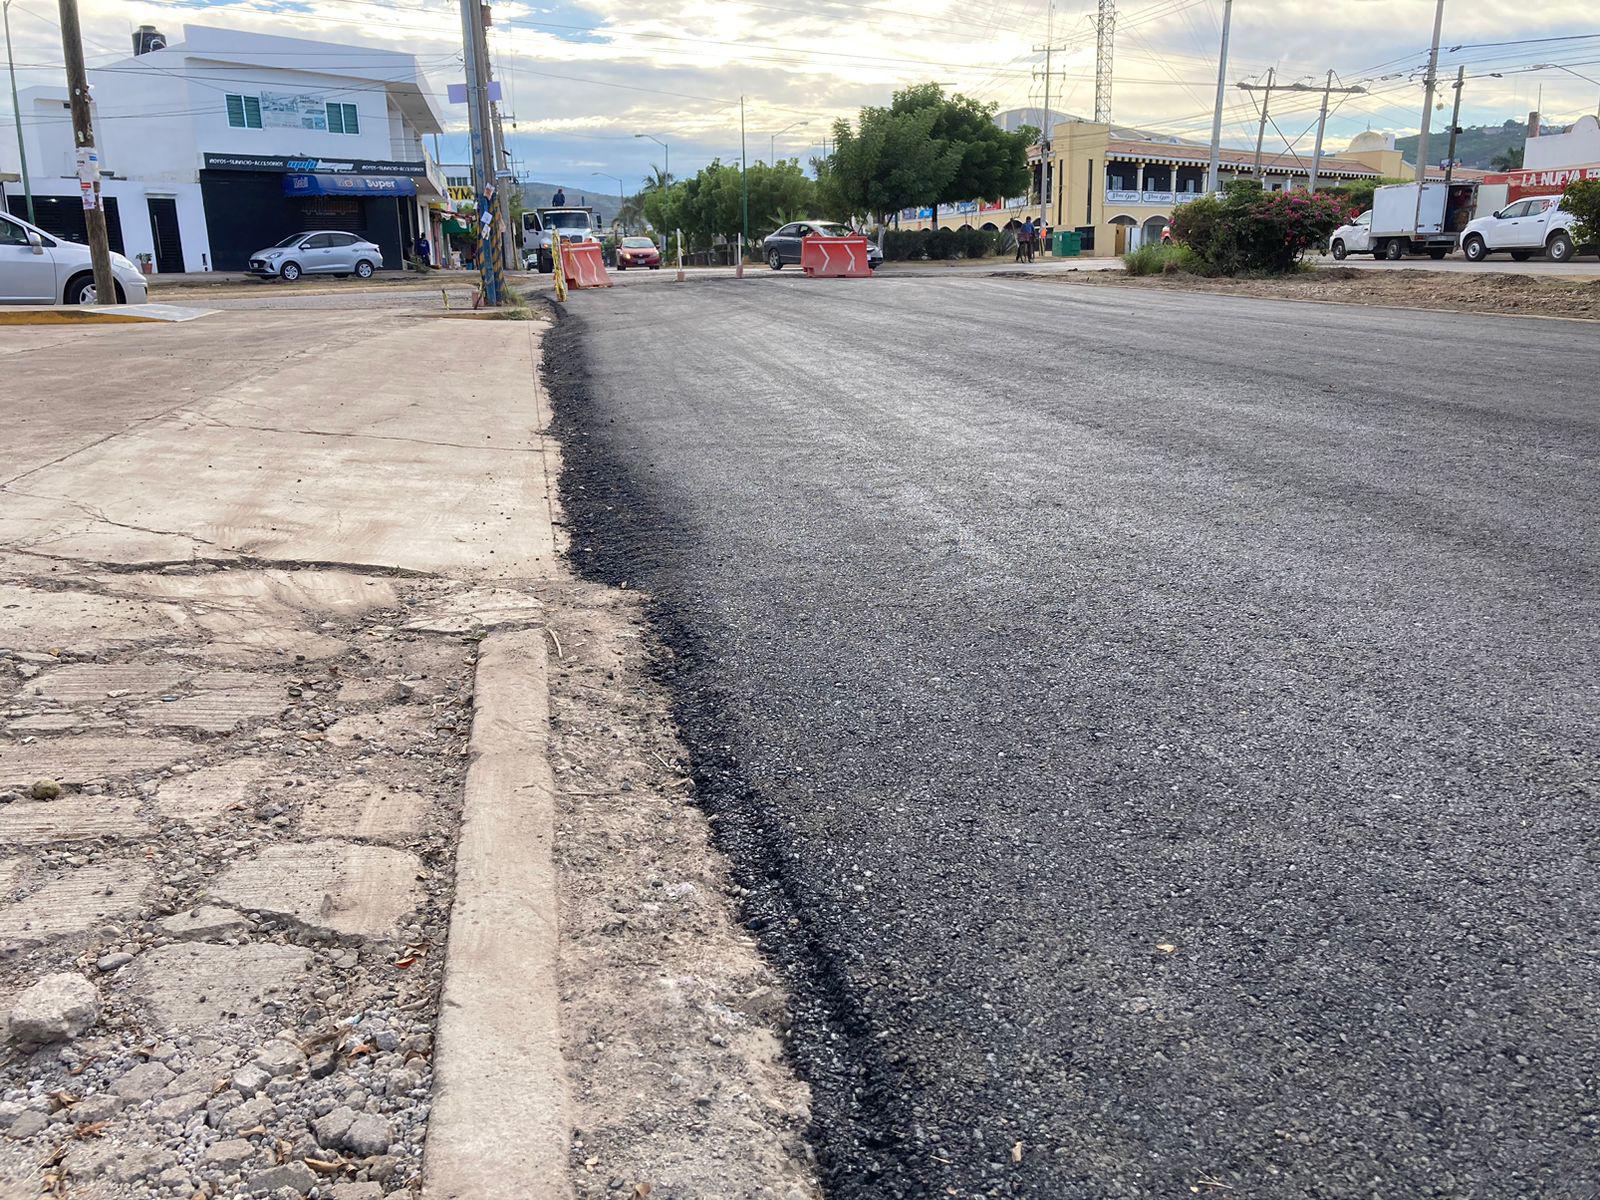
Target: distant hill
point(539, 195)
point(1476, 146)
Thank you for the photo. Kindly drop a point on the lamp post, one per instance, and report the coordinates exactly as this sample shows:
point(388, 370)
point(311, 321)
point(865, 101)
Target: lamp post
point(666, 151)
point(1535, 67)
point(772, 147)
point(603, 175)
point(16, 111)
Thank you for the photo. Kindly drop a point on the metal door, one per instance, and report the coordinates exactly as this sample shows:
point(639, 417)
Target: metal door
point(164, 234)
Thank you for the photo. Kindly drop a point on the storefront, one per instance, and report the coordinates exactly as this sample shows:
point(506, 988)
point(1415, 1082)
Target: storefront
point(256, 201)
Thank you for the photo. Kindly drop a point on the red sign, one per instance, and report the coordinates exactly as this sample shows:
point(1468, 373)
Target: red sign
point(1550, 182)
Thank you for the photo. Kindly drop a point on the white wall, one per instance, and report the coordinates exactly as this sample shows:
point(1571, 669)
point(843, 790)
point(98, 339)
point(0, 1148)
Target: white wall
point(1578, 147)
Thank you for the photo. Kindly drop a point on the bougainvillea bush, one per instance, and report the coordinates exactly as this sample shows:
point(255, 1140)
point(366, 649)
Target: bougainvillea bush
point(1250, 231)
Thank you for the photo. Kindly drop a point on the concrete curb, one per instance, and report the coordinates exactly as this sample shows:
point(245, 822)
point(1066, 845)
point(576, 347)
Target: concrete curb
point(113, 314)
point(499, 1123)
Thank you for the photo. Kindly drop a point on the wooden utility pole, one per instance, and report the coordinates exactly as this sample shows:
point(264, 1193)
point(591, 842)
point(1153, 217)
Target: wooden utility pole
point(1214, 172)
point(1455, 128)
point(1266, 99)
point(1266, 90)
point(88, 160)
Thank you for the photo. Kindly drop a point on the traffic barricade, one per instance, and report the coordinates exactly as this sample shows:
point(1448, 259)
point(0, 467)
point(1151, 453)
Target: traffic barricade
point(834, 257)
point(584, 265)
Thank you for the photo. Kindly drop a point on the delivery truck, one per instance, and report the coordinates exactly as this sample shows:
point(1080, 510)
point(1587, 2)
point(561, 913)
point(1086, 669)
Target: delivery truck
point(1401, 225)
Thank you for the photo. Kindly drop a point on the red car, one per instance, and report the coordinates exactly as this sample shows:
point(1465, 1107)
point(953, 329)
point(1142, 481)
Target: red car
point(638, 252)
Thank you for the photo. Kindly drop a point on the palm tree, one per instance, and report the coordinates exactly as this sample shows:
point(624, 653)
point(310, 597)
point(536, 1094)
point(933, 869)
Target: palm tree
point(658, 180)
point(631, 214)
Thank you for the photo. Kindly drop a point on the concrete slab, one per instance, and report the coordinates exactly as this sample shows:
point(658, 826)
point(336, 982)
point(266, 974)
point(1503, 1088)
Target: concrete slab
point(202, 798)
point(353, 462)
point(65, 722)
point(216, 711)
point(321, 593)
point(77, 758)
point(74, 901)
point(102, 683)
point(397, 727)
point(110, 314)
point(360, 809)
point(71, 818)
point(39, 620)
point(188, 987)
point(332, 887)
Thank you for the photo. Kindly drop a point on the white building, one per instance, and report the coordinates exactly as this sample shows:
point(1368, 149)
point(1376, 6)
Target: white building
point(227, 141)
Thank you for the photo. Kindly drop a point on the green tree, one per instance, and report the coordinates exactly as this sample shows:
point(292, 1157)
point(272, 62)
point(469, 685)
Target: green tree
point(989, 162)
point(708, 205)
point(1508, 160)
point(1582, 200)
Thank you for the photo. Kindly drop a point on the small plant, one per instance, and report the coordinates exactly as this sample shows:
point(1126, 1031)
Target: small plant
point(1157, 258)
point(1582, 200)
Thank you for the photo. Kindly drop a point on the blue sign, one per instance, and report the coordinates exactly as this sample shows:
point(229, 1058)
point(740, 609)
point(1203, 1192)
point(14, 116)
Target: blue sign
point(347, 185)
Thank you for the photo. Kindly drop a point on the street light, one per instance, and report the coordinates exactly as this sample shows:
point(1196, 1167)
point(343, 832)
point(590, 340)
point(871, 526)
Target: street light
point(1569, 71)
point(666, 168)
point(16, 111)
point(772, 149)
point(603, 175)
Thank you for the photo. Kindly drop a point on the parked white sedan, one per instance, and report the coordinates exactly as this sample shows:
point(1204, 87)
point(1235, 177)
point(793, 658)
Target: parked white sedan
point(36, 268)
point(1354, 238)
point(1537, 225)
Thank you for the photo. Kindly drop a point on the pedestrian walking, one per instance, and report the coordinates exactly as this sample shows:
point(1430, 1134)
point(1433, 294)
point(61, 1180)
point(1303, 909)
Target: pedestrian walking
point(1025, 241)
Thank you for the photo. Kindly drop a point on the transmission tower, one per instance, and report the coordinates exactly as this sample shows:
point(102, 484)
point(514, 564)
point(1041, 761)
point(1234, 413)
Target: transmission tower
point(1105, 32)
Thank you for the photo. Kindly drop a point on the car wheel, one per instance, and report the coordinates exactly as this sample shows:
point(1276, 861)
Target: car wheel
point(1521, 255)
point(1475, 248)
point(1560, 246)
point(774, 260)
point(656, 267)
point(1395, 250)
point(289, 272)
point(363, 269)
point(80, 290)
point(1339, 251)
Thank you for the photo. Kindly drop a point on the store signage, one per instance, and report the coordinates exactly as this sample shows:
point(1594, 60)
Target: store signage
point(291, 110)
point(321, 166)
point(1549, 182)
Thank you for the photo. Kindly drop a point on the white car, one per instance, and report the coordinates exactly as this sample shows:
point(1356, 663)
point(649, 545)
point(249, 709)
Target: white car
point(1354, 238)
point(36, 268)
point(1537, 225)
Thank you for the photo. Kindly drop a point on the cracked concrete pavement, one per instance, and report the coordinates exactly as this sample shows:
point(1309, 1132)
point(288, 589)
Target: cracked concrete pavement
point(270, 585)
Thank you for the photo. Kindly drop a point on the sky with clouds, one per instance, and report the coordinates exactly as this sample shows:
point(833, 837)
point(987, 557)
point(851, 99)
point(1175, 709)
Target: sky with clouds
point(582, 77)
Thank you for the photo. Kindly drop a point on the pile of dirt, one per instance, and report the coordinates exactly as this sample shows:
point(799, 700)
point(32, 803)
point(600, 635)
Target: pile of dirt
point(1452, 291)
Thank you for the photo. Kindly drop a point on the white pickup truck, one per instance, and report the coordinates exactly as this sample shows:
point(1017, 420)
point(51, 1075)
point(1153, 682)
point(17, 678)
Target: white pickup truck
point(1535, 225)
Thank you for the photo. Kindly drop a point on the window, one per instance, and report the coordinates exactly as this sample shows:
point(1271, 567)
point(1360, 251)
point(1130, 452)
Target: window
point(12, 234)
point(342, 119)
point(1519, 209)
point(244, 112)
point(320, 241)
point(342, 239)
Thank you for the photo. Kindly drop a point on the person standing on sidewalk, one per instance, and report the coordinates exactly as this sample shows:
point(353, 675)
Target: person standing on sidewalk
point(1025, 241)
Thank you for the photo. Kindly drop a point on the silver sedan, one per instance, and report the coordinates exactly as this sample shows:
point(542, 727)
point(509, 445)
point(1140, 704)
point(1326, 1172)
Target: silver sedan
point(325, 252)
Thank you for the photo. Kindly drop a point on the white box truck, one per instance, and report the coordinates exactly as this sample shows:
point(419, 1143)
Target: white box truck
point(1402, 226)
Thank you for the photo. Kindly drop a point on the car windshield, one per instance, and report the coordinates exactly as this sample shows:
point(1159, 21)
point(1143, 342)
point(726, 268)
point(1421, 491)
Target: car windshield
point(291, 240)
point(639, 243)
point(567, 220)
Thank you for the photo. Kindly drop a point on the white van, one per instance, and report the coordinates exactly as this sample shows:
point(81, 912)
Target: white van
point(36, 268)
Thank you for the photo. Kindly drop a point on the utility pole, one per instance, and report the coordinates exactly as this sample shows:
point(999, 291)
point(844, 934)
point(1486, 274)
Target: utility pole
point(1266, 99)
point(1213, 174)
point(744, 181)
point(94, 213)
point(1429, 85)
point(471, 21)
point(1105, 30)
point(1322, 123)
point(1427, 100)
point(1455, 128)
point(1047, 130)
point(16, 112)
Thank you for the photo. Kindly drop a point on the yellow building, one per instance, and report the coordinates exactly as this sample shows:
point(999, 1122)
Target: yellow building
point(1117, 187)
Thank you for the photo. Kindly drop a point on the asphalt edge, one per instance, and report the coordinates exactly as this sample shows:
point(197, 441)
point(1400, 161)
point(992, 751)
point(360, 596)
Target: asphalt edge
point(499, 1125)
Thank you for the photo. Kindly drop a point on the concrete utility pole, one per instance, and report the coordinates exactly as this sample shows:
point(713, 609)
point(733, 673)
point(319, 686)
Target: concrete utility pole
point(1047, 129)
point(94, 213)
point(16, 113)
point(1266, 99)
point(1322, 123)
point(1455, 128)
point(1428, 87)
point(744, 181)
point(1213, 174)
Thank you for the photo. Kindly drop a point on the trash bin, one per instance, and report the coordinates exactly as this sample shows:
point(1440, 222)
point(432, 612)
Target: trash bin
point(1068, 243)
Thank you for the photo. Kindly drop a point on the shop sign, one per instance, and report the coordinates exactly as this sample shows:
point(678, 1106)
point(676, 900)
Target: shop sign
point(321, 166)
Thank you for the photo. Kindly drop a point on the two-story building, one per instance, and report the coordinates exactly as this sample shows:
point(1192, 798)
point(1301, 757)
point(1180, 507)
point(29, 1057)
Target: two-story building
point(1118, 187)
point(224, 142)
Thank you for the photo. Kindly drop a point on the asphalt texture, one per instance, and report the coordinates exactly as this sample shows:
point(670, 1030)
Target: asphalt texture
point(1158, 731)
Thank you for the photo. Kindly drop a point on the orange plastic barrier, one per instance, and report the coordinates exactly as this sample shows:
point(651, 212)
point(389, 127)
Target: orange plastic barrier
point(583, 265)
point(834, 257)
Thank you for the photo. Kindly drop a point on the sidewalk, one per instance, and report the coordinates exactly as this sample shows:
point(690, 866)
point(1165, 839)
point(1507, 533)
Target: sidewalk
point(336, 820)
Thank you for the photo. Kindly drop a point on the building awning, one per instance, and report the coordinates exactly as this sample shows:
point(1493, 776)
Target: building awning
point(347, 185)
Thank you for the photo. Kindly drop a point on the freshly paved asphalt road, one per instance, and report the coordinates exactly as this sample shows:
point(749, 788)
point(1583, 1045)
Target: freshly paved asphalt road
point(1159, 730)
